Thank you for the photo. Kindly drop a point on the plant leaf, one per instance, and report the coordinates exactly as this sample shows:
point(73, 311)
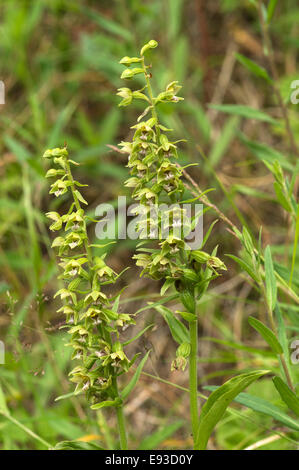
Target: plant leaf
point(223, 143)
point(206, 237)
point(281, 197)
point(238, 346)
point(159, 302)
point(263, 406)
point(128, 388)
point(254, 68)
point(217, 403)
point(267, 334)
point(245, 266)
point(178, 330)
point(287, 394)
point(138, 334)
point(3, 408)
point(168, 283)
point(265, 153)
point(282, 337)
point(271, 10)
point(244, 111)
point(107, 24)
point(271, 287)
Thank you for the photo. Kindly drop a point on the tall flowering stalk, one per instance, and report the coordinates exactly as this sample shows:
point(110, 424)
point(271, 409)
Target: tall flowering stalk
point(156, 179)
point(92, 318)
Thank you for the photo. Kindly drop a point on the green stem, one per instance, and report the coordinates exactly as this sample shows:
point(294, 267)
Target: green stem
point(193, 326)
point(78, 207)
point(151, 98)
point(122, 428)
point(121, 421)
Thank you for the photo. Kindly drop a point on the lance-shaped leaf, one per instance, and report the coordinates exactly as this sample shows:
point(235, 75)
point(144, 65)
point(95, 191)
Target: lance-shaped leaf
point(217, 403)
point(243, 111)
point(263, 406)
point(245, 266)
point(3, 407)
point(287, 395)
point(178, 330)
point(267, 334)
point(141, 332)
point(127, 390)
point(271, 287)
point(271, 9)
point(253, 67)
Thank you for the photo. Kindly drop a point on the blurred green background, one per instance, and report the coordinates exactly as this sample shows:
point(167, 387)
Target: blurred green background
point(60, 70)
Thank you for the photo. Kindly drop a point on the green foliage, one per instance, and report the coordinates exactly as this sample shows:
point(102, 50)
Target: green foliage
point(127, 390)
point(271, 287)
point(265, 407)
point(156, 179)
point(90, 316)
point(60, 71)
point(287, 395)
point(267, 334)
point(218, 402)
point(76, 445)
point(244, 111)
point(254, 68)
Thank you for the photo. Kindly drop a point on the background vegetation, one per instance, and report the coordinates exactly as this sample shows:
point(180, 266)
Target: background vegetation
point(60, 69)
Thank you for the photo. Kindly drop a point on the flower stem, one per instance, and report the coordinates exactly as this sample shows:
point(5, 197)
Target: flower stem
point(151, 98)
point(121, 422)
point(193, 328)
point(122, 428)
point(78, 207)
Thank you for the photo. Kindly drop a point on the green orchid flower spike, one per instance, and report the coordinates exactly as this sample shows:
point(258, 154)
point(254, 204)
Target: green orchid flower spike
point(92, 318)
point(156, 178)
